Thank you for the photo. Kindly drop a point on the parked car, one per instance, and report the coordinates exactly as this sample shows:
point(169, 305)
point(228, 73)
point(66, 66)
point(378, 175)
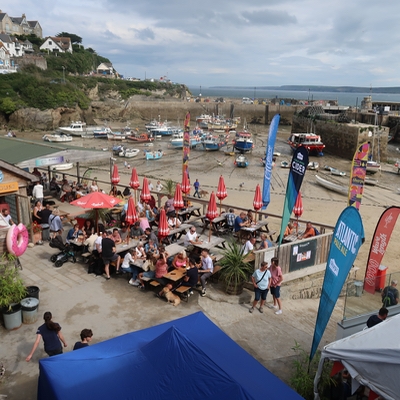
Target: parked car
point(247, 100)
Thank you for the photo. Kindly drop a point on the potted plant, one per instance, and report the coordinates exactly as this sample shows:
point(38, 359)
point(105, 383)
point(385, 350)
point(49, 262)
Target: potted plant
point(37, 233)
point(235, 271)
point(12, 291)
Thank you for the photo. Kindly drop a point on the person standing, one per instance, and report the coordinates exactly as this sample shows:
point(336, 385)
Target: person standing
point(159, 186)
point(207, 269)
point(86, 338)
point(196, 188)
point(151, 187)
point(55, 222)
point(37, 191)
point(51, 334)
point(108, 253)
point(261, 279)
point(276, 280)
point(377, 319)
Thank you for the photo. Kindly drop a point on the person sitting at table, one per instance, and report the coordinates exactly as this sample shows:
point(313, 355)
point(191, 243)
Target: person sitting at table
point(249, 217)
point(265, 243)
point(79, 191)
point(249, 246)
point(124, 231)
point(140, 252)
point(109, 254)
point(113, 191)
point(74, 233)
point(191, 239)
point(94, 187)
point(241, 222)
point(191, 278)
point(143, 221)
point(151, 235)
point(180, 260)
point(207, 269)
point(161, 269)
point(173, 223)
point(54, 186)
point(66, 192)
point(230, 219)
point(98, 243)
point(309, 232)
point(149, 270)
point(128, 266)
point(151, 247)
point(169, 204)
point(289, 229)
point(90, 242)
point(137, 231)
point(116, 236)
point(150, 215)
point(88, 227)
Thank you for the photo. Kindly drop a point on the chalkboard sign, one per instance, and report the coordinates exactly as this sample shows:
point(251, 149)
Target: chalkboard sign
point(302, 255)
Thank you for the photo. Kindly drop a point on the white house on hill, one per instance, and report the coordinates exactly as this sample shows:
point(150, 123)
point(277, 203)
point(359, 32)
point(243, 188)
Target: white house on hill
point(57, 44)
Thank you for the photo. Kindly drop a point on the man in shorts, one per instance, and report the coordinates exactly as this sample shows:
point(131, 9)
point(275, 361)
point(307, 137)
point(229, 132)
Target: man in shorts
point(261, 279)
point(108, 253)
point(276, 280)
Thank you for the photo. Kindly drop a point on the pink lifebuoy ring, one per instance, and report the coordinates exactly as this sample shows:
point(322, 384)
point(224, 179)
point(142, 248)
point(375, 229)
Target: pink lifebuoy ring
point(17, 239)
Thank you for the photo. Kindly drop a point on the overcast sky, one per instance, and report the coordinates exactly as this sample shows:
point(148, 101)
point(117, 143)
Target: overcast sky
point(233, 42)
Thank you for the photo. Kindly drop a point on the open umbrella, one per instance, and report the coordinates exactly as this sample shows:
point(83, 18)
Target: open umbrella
point(145, 195)
point(257, 202)
point(212, 211)
point(185, 187)
point(134, 182)
point(178, 201)
point(96, 200)
point(298, 209)
point(163, 229)
point(131, 216)
point(115, 175)
point(221, 191)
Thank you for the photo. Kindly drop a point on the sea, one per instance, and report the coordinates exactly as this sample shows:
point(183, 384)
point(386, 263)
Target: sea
point(342, 98)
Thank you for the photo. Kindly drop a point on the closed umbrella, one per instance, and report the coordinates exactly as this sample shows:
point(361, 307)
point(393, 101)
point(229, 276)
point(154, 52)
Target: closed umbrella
point(185, 187)
point(96, 201)
point(221, 191)
point(134, 182)
point(163, 229)
point(298, 209)
point(131, 216)
point(212, 211)
point(178, 200)
point(115, 175)
point(257, 202)
point(145, 195)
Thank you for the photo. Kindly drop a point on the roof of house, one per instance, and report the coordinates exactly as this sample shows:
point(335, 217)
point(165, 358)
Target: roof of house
point(63, 42)
point(5, 38)
point(33, 23)
point(18, 171)
point(2, 15)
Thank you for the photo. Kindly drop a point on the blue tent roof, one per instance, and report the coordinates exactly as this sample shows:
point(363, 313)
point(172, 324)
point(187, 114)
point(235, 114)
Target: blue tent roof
point(186, 358)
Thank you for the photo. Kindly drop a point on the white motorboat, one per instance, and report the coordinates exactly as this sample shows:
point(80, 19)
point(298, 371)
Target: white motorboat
point(77, 128)
point(373, 167)
point(334, 171)
point(62, 167)
point(313, 165)
point(129, 153)
point(116, 136)
point(331, 185)
point(57, 137)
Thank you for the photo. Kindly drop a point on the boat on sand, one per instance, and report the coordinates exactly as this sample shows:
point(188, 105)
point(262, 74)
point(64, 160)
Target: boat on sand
point(241, 161)
point(334, 171)
point(57, 137)
point(331, 185)
point(153, 155)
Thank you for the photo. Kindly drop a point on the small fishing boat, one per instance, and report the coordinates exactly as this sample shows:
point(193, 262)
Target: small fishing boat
point(116, 149)
point(214, 143)
point(62, 167)
point(57, 137)
point(129, 153)
point(331, 185)
point(373, 167)
point(153, 155)
point(285, 164)
point(163, 129)
point(310, 141)
point(243, 141)
point(370, 181)
point(148, 144)
point(276, 154)
point(177, 140)
point(241, 161)
point(102, 133)
point(334, 171)
point(313, 165)
point(77, 128)
point(141, 138)
point(116, 136)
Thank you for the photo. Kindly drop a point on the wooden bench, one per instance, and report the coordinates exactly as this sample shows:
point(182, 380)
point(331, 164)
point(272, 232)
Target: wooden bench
point(85, 257)
point(154, 283)
point(183, 290)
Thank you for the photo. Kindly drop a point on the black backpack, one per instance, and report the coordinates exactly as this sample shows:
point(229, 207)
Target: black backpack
point(390, 298)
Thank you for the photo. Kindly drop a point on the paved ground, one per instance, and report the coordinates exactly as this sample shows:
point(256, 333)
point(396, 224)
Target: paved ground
point(111, 308)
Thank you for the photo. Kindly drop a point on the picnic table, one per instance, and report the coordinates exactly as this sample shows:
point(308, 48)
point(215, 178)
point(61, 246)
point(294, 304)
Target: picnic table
point(208, 244)
point(176, 274)
point(216, 223)
point(174, 248)
point(293, 237)
point(121, 247)
point(181, 230)
point(187, 213)
point(260, 226)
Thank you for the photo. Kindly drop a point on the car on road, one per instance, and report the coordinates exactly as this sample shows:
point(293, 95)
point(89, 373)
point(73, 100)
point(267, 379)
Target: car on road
point(247, 100)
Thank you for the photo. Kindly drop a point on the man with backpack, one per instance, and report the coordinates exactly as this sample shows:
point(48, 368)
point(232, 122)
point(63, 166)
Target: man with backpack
point(390, 295)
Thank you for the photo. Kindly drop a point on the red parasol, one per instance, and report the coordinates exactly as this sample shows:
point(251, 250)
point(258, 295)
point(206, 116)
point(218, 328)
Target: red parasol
point(221, 191)
point(178, 201)
point(257, 202)
point(163, 229)
point(115, 175)
point(96, 200)
point(185, 187)
point(298, 209)
point(145, 195)
point(131, 216)
point(134, 182)
point(212, 211)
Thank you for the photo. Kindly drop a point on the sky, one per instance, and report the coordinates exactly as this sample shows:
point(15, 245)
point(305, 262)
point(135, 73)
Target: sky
point(232, 42)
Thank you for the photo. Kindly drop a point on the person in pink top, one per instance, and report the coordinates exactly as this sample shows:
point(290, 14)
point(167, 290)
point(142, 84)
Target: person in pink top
point(181, 260)
point(144, 222)
point(276, 280)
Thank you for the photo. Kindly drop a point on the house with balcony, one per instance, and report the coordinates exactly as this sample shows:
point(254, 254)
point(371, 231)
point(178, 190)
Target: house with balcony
point(105, 69)
point(53, 44)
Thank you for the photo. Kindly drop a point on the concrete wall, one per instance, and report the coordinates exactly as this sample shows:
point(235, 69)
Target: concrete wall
point(39, 61)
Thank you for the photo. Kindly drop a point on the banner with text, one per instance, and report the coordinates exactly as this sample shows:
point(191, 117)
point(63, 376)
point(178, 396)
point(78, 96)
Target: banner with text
point(380, 240)
point(269, 152)
point(298, 167)
point(357, 176)
point(346, 241)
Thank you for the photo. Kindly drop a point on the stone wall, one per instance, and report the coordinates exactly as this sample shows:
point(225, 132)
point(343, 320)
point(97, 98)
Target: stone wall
point(27, 59)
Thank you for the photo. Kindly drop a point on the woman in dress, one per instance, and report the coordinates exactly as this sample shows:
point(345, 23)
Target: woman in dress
point(35, 216)
point(52, 337)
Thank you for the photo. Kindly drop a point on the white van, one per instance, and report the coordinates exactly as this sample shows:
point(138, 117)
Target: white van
point(247, 100)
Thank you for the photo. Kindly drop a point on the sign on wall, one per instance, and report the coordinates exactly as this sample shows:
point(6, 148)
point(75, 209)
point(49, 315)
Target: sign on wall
point(41, 162)
point(302, 255)
point(9, 187)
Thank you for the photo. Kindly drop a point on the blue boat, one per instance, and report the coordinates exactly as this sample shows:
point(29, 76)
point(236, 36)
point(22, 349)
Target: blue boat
point(177, 139)
point(153, 155)
point(243, 142)
point(214, 143)
point(241, 161)
point(102, 133)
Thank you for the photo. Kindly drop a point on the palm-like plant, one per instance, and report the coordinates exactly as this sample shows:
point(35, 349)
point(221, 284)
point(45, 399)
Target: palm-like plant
point(170, 186)
point(235, 271)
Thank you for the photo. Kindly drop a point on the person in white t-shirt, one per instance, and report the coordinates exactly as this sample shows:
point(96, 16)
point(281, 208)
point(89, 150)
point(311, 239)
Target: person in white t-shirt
point(151, 187)
point(249, 246)
point(6, 216)
point(159, 186)
point(37, 191)
point(94, 187)
point(191, 238)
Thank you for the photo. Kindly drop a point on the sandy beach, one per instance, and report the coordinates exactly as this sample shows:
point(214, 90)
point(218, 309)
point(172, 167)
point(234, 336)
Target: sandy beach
point(320, 205)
